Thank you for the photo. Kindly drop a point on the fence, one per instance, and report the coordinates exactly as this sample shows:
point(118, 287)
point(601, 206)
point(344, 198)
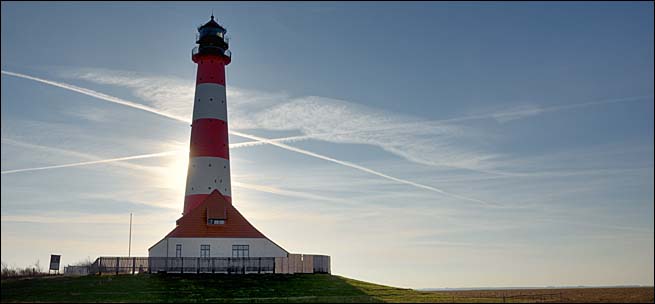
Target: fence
point(76, 270)
point(135, 265)
point(119, 265)
point(302, 263)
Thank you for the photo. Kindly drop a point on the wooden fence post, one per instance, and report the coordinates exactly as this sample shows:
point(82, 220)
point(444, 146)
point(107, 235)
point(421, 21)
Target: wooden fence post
point(133, 264)
point(117, 263)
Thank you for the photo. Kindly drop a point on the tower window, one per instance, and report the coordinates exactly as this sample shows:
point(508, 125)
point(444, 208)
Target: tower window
point(204, 251)
point(211, 99)
point(240, 251)
point(215, 222)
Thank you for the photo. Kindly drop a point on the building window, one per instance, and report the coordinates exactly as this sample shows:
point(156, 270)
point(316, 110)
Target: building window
point(215, 222)
point(240, 251)
point(204, 251)
point(178, 250)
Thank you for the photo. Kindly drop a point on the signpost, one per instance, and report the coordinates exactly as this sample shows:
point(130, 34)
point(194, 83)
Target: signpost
point(54, 263)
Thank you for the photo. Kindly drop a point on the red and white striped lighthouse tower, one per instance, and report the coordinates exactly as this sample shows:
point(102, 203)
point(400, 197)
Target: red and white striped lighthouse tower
point(209, 157)
point(210, 225)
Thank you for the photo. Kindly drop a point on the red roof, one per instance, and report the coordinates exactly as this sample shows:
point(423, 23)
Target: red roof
point(215, 206)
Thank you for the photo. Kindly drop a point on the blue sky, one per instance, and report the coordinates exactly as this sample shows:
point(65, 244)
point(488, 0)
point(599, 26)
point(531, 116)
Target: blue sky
point(455, 144)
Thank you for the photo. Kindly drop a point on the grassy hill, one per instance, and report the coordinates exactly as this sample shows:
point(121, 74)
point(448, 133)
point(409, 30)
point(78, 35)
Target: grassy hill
point(212, 288)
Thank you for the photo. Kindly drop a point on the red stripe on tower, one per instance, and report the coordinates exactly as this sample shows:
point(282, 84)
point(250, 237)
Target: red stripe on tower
point(209, 165)
point(211, 69)
point(209, 138)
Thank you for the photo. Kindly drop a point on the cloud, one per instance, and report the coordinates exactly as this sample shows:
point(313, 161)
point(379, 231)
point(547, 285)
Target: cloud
point(315, 117)
point(435, 143)
point(257, 138)
point(441, 143)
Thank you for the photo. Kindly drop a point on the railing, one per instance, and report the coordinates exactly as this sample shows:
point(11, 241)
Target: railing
point(212, 50)
point(134, 265)
point(225, 37)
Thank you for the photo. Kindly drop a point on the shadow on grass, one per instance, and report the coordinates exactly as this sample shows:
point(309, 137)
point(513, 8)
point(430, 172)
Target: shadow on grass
point(186, 288)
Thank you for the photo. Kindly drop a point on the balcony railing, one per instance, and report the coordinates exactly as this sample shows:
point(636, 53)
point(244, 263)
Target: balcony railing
point(226, 38)
point(211, 50)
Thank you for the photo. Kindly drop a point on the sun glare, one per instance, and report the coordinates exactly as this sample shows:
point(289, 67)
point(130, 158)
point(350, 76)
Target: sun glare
point(173, 175)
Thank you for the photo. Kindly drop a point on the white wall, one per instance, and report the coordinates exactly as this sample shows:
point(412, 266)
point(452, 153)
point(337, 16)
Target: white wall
point(219, 247)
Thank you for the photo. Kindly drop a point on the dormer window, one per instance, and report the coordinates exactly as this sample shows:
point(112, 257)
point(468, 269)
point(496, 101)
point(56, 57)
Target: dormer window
point(215, 222)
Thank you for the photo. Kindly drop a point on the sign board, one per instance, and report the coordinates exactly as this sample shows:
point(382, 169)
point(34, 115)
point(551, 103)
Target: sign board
point(54, 262)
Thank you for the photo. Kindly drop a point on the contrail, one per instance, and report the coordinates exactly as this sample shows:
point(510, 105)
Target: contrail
point(93, 162)
point(97, 94)
point(118, 159)
point(358, 167)
point(281, 139)
point(278, 191)
point(124, 102)
point(135, 105)
point(262, 188)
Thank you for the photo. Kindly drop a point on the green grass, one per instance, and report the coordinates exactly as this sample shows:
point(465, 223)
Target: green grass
point(211, 288)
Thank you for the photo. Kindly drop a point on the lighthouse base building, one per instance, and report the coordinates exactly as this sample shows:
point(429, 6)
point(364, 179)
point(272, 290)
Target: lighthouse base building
point(215, 229)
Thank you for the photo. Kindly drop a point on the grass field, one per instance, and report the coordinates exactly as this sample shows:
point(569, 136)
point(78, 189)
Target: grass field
point(243, 288)
point(566, 295)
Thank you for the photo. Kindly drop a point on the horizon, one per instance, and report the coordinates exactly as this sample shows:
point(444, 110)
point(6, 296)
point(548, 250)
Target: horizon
point(417, 144)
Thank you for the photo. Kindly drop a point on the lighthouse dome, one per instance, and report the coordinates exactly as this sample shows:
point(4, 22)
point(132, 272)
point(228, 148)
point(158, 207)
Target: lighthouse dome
point(211, 24)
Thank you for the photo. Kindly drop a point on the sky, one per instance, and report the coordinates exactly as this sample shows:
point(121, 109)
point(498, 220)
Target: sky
point(422, 145)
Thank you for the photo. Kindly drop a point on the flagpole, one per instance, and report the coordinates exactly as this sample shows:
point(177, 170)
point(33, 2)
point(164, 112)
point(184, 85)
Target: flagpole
point(129, 248)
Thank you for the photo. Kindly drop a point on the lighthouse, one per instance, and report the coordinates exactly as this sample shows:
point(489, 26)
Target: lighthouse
point(210, 226)
point(209, 158)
